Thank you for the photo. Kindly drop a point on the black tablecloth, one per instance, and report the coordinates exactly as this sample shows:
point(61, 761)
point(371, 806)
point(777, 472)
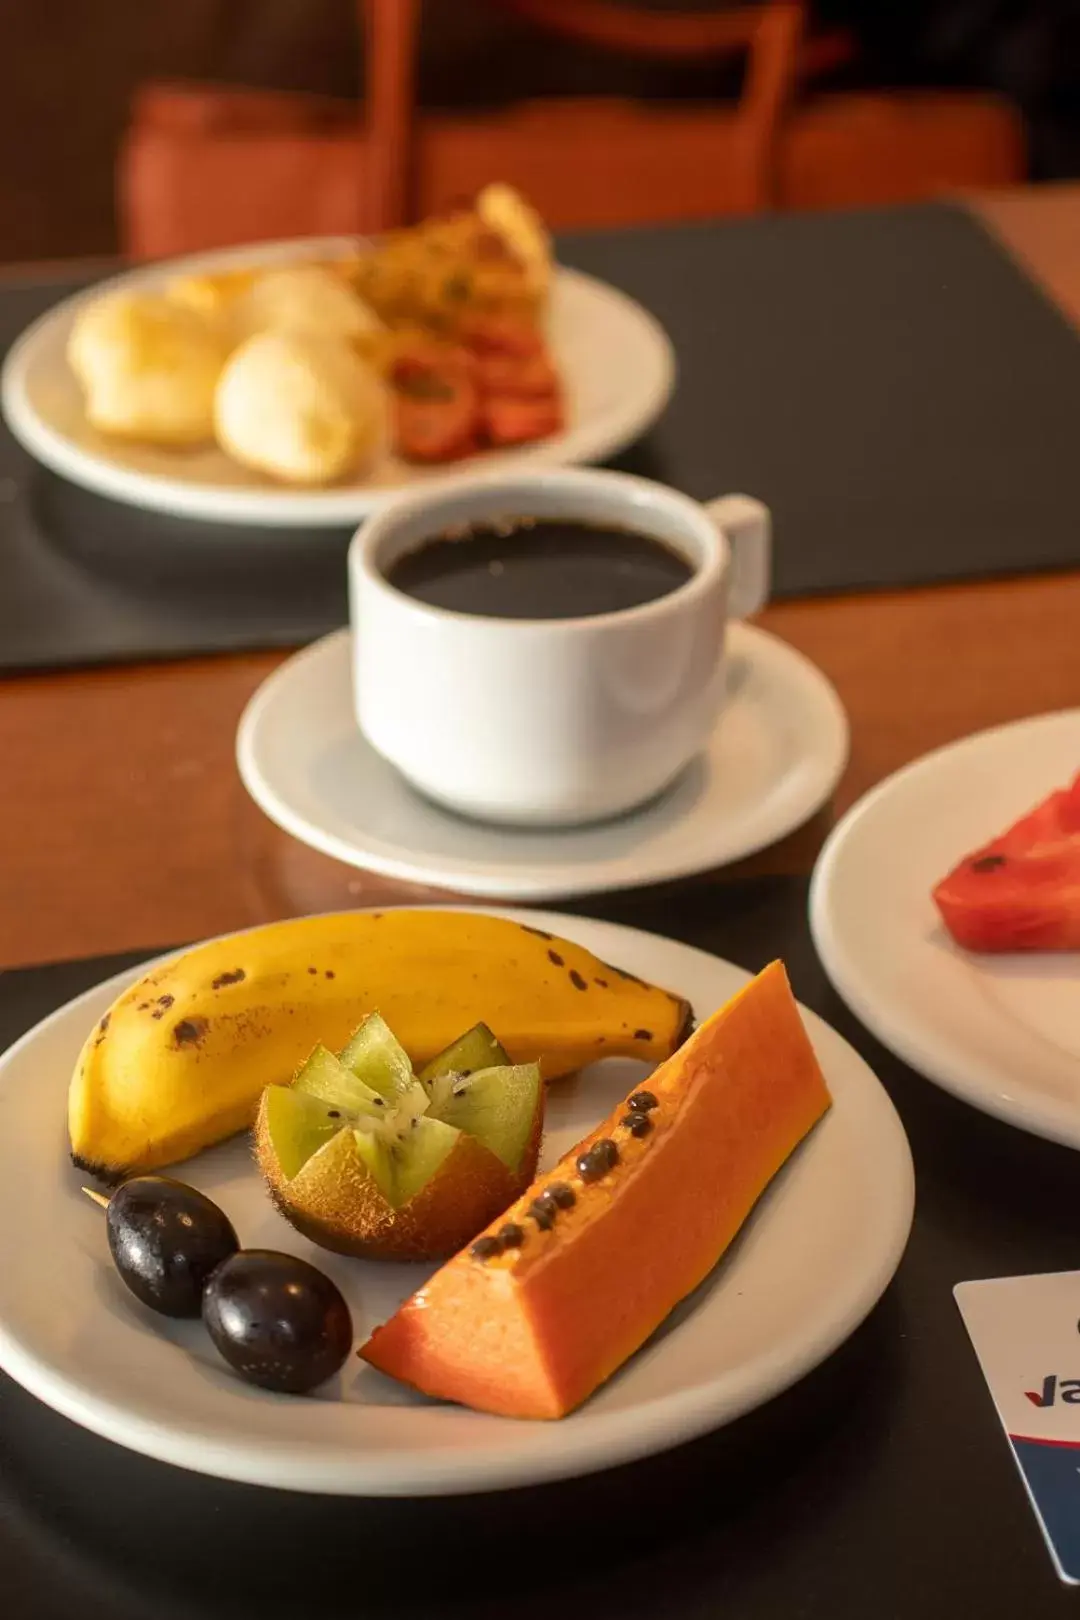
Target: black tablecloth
point(881, 1486)
point(888, 381)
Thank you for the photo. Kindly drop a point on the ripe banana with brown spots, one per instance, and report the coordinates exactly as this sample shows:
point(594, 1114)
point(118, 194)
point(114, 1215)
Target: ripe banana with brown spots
point(180, 1059)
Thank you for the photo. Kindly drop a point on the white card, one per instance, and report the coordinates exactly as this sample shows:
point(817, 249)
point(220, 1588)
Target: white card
point(1026, 1333)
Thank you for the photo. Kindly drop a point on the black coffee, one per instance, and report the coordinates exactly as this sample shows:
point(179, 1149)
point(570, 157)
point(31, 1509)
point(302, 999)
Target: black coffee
point(539, 568)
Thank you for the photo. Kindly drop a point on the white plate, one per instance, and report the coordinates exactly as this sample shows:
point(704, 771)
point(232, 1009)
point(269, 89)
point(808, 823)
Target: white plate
point(775, 757)
point(817, 1253)
point(617, 363)
point(1002, 1032)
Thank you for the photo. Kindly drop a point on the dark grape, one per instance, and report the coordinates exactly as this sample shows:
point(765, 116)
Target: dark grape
point(166, 1238)
point(278, 1321)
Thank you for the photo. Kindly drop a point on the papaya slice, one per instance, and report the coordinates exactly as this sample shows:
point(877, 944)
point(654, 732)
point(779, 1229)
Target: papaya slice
point(575, 1276)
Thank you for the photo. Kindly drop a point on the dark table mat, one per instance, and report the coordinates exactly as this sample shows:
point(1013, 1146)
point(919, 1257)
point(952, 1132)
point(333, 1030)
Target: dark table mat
point(880, 1486)
point(888, 381)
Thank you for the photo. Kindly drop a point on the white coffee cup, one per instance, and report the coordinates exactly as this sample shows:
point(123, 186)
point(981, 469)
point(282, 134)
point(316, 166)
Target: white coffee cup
point(551, 722)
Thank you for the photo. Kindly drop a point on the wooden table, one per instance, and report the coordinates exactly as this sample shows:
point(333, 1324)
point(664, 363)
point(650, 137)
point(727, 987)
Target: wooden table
point(123, 823)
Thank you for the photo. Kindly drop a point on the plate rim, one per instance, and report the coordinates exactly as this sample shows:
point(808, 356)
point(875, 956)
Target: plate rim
point(670, 1419)
point(507, 883)
point(270, 507)
point(933, 1055)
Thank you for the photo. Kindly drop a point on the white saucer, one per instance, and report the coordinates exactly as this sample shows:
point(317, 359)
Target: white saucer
point(1002, 1032)
point(776, 756)
point(816, 1254)
point(615, 358)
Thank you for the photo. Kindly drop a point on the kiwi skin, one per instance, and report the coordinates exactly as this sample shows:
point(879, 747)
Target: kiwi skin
point(335, 1203)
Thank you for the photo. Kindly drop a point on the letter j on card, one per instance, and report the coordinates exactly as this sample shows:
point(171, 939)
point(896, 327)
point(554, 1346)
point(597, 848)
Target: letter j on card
point(1026, 1333)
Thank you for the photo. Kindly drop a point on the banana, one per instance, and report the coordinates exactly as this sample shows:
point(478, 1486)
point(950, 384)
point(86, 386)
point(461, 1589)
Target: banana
point(180, 1059)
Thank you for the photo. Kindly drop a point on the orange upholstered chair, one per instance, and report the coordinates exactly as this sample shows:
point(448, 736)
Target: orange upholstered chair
point(203, 167)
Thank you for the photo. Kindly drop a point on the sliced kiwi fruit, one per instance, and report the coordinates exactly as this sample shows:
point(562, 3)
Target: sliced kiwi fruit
point(325, 1076)
point(403, 1168)
point(476, 1049)
point(376, 1056)
point(299, 1125)
point(497, 1105)
point(402, 1131)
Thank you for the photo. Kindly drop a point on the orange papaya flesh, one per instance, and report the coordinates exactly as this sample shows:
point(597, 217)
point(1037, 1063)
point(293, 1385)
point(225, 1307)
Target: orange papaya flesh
point(532, 1330)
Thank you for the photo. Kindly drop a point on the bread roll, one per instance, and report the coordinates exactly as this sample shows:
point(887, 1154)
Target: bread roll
point(306, 298)
point(305, 410)
point(148, 368)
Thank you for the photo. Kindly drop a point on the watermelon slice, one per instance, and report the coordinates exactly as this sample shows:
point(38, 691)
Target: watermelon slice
point(1021, 891)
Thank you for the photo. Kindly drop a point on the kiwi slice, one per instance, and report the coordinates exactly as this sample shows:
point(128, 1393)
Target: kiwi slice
point(299, 1125)
point(476, 1049)
point(324, 1098)
point(497, 1105)
point(403, 1128)
point(326, 1077)
point(402, 1167)
point(377, 1057)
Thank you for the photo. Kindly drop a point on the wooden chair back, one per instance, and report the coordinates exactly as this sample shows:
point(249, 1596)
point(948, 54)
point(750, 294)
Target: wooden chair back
point(209, 166)
point(586, 161)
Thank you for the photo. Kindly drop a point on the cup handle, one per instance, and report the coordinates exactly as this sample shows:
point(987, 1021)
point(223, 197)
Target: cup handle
point(747, 525)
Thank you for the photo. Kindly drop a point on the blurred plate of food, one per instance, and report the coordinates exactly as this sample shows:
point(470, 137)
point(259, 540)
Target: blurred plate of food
point(306, 382)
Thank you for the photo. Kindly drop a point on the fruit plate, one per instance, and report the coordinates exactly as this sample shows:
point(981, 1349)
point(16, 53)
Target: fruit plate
point(1000, 1032)
point(616, 361)
point(815, 1256)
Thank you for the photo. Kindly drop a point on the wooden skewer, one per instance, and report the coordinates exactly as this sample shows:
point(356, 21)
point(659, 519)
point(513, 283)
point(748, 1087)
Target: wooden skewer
point(99, 1198)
